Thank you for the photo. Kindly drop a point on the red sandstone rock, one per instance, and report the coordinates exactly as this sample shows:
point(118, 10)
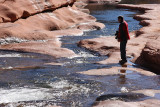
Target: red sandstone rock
point(116, 70)
point(80, 4)
point(11, 10)
point(59, 18)
point(150, 55)
point(100, 45)
point(101, 1)
point(52, 47)
point(91, 26)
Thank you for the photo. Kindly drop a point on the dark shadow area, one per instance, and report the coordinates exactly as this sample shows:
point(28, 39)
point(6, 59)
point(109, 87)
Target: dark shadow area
point(122, 96)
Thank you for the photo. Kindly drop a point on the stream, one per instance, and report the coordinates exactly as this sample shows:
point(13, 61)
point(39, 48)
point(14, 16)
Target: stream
point(27, 80)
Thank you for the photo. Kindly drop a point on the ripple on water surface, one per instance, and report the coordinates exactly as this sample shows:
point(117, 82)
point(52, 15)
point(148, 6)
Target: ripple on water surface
point(62, 92)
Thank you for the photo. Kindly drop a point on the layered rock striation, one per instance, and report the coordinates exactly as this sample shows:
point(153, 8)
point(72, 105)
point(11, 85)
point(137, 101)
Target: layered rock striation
point(39, 23)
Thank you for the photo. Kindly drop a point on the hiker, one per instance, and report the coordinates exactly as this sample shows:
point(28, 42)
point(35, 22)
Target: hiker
point(122, 35)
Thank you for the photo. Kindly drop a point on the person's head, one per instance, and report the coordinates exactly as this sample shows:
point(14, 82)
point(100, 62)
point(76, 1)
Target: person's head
point(120, 19)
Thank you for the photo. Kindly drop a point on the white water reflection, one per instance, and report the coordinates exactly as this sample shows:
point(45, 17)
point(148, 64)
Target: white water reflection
point(85, 54)
point(11, 40)
point(11, 55)
point(23, 94)
point(57, 89)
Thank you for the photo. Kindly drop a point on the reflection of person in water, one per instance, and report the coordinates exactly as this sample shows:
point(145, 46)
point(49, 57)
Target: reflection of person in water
point(122, 77)
point(122, 35)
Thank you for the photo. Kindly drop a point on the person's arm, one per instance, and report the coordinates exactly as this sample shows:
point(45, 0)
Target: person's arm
point(116, 34)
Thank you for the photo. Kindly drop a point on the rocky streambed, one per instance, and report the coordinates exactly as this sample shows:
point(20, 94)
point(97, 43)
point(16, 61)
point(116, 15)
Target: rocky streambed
point(42, 68)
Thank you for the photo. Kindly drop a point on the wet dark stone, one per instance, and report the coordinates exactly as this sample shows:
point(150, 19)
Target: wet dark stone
point(122, 96)
point(2, 105)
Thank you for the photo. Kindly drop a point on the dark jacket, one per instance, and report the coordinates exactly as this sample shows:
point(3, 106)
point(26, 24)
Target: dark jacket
point(123, 33)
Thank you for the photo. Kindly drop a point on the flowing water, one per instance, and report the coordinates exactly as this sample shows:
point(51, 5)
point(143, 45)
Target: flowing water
point(27, 80)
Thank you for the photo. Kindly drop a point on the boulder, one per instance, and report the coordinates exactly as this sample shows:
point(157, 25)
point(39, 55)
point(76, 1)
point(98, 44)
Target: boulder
point(150, 55)
point(51, 47)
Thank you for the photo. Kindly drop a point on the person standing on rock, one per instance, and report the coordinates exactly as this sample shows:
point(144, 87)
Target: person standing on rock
point(122, 35)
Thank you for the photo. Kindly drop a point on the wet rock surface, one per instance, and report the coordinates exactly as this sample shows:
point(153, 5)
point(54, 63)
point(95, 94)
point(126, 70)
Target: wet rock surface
point(122, 96)
point(118, 70)
point(146, 103)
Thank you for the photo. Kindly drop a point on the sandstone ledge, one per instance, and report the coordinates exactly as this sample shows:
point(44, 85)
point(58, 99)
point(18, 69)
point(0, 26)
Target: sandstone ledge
point(117, 70)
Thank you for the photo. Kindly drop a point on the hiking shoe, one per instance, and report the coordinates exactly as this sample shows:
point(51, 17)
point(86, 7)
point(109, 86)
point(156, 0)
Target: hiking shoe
point(122, 62)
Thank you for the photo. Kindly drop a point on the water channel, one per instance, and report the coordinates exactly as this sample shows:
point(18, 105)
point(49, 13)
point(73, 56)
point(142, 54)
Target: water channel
point(26, 80)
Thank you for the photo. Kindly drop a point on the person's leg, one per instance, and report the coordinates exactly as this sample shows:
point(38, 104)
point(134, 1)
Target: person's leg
point(123, 50)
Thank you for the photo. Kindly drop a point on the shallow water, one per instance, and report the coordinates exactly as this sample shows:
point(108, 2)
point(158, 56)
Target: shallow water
point(26, 79)
point(108, 15)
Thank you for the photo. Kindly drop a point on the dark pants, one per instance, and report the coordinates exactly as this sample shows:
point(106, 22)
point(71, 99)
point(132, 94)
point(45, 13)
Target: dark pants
point(123, 50)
